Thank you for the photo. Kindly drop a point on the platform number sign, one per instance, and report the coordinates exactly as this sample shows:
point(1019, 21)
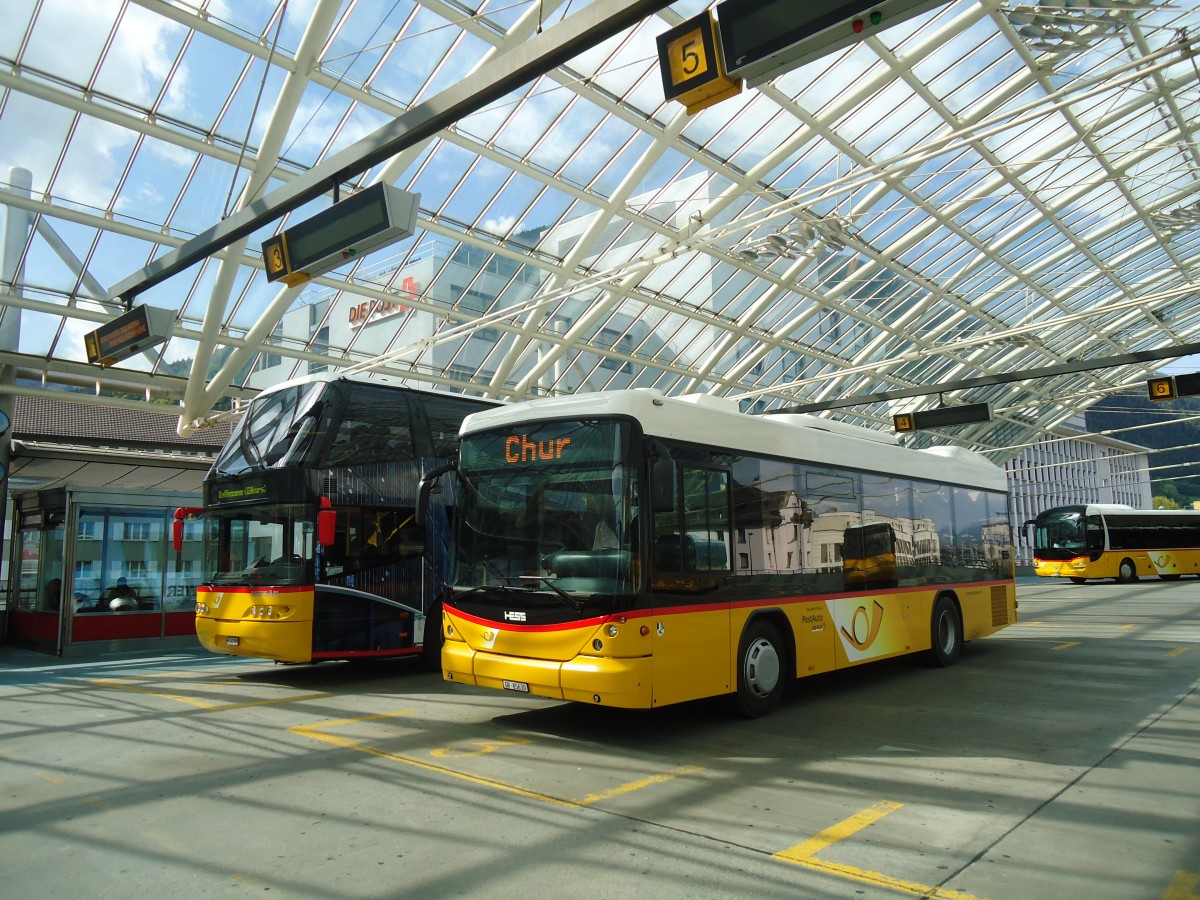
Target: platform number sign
point(275, 258)
point(689, 57)
point(1161, 388)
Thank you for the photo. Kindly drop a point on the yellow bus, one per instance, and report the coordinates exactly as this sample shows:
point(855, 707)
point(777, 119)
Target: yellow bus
point(635, 550)
point(1112, 540)
point(310, 545)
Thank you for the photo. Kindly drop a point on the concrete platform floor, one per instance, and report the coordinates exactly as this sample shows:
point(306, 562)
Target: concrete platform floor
point(1060, 758)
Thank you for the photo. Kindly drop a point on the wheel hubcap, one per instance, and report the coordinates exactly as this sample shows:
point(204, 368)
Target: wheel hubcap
point(762, 667)
point(946, 636)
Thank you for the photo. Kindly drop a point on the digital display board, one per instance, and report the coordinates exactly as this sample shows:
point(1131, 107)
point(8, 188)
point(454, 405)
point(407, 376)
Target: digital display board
point(127, 335)
point(367, 220)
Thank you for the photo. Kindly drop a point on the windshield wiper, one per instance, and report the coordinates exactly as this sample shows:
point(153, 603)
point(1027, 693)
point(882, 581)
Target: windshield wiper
point(560, 595)
point(566, 598)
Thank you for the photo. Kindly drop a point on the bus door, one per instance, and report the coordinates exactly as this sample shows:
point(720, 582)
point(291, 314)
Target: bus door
point(690, 567)
point(1095, 537)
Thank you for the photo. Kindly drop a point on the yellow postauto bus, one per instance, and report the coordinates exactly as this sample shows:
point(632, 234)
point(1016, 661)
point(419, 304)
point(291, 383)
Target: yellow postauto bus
point(635, 550)
point(1112, 540)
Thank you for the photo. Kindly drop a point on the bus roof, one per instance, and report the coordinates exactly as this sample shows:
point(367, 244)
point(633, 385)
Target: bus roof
point(1113, 510)
point(388, 381)
point(713, 421)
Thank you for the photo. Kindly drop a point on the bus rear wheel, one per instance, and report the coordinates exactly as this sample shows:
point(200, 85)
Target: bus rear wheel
point(1127, 571)
point(945, 632)
point(760, 673)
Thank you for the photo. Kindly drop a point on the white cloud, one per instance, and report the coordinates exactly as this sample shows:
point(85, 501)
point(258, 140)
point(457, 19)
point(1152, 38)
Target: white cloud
point(68, 40)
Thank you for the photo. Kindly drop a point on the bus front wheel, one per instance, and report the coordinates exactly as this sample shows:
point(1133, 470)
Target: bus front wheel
point(1127, 571)
point(760, 674)
point(946, 632)
point(1078, 580)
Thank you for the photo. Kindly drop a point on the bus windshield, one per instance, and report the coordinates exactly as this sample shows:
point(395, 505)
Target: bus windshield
point(269, 543)
point(271, 426)
point(548, 506)
point(1060, 535)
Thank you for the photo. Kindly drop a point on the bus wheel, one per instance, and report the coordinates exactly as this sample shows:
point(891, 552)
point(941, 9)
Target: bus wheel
point(945, 632)
point(1127, 571)
point(760, 669)
point(1078, 580)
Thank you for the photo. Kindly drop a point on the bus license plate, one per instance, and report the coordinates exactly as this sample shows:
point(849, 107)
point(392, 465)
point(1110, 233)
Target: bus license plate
point(516, 686)
point(232, 641)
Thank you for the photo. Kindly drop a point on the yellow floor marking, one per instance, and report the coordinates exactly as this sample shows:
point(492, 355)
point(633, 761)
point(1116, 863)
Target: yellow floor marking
point(477, 748)
point(1184, 886)
point(804, 854)
point(1178, 651)
point(840, 831)
point(52, 778)
point(661, 778)
point(885, 881)
point(201, 704)
point(313, 731)
point(1067, 646)
point(1127, 627)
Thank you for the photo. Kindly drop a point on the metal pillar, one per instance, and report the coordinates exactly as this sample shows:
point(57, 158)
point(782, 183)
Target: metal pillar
point(13, 238)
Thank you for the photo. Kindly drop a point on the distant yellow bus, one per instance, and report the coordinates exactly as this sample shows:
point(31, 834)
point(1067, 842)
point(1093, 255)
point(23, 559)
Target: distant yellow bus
point(709, 551)
point(1112, 540)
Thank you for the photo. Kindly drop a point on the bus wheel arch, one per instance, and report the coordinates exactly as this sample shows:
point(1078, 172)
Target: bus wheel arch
point(764, 664)
point(1127, 571)
point(945, 631)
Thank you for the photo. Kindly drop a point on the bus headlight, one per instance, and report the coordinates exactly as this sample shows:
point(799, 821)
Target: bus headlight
point(612, 630)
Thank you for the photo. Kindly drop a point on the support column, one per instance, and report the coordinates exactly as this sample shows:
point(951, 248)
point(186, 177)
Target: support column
point(13, 237)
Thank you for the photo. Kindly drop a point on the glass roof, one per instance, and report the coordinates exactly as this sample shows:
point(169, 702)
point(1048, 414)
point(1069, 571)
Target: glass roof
point(985, 189)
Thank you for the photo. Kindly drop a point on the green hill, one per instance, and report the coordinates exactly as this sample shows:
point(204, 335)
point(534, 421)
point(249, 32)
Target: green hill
point(1175, 471)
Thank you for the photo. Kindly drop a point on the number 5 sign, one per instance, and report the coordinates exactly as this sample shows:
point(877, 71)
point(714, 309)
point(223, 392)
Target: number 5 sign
point(689, 58)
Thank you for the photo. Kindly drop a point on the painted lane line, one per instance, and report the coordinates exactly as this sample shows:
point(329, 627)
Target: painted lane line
point(317, 732)
point(804, 854)
point(632, 786)
point(201, 704)
point(840, 831)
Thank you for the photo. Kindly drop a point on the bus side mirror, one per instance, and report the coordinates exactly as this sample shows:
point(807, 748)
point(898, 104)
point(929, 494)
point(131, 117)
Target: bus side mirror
point(662, 478)
point(326, 524)
point(427, 486)
point(182, 513)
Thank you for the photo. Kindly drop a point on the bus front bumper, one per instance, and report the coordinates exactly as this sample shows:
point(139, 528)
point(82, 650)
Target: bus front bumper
point(289, 642)
point(586, 679)
point(1050, 568)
